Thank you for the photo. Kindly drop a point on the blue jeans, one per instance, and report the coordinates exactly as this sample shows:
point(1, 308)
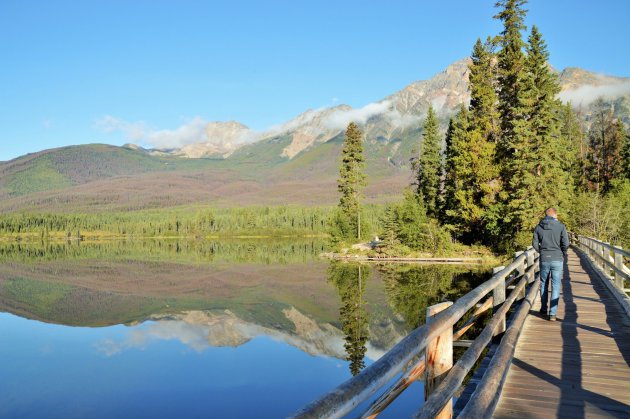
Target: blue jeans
point(555, 268)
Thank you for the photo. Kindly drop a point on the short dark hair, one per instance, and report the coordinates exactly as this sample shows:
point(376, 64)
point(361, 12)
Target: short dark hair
point(551, 211)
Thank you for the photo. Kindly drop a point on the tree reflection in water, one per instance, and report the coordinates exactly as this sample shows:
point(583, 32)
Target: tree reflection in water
point(410, 288)
point(349, 281)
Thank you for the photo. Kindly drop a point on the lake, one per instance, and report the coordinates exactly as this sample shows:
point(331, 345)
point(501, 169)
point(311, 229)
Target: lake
point(198, 329)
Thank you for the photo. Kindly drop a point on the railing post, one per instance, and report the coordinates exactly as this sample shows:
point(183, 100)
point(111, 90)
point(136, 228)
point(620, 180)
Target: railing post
point(598, 253)
point(439, 359)
point(619, 266)
point(498, 297)
point(521, 271)
point(531, 275)
point(606, 258)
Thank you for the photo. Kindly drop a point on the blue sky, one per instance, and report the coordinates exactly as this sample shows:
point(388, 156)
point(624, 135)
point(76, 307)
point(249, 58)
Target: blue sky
point(66, 65)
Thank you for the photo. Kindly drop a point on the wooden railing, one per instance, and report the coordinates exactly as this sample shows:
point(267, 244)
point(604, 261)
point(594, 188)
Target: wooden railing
point(609, 260)
point(427, 351)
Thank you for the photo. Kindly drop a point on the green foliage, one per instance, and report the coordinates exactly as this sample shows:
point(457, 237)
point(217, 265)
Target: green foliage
point(409, 224)
point(41, 176)
point(472, 181)
point(429, 164)
point(604, 216)
point(607, 143)
point(541, 167)
point(350, 183)
point(573, 141)
point(200, 221)
point(68, 166)
point(511, 65)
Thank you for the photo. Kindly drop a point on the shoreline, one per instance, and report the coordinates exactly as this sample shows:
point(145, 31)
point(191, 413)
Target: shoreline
point(436, 260)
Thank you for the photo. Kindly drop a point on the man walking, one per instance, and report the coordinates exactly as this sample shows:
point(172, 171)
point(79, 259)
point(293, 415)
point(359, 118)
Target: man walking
point(552, 242)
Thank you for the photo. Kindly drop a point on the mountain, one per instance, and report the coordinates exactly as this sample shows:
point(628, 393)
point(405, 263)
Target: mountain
point(295, 162)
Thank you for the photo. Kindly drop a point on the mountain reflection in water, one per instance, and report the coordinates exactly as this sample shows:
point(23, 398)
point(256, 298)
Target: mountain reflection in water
point(205, 295)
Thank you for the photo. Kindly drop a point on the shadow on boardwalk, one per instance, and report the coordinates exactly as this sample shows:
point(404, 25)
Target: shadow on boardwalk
point(575, 367)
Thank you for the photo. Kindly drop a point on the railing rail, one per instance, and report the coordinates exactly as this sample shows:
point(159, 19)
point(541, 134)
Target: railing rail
point(608, 261)
point(409, 353)
point(608, 258)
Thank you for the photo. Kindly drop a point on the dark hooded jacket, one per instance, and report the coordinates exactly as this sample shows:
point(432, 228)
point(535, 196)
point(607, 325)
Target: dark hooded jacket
point(551, 240)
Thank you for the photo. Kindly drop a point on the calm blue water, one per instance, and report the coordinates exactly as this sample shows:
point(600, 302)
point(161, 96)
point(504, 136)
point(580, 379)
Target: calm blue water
point(57, 371)
point(242, 338)
point(132, 372)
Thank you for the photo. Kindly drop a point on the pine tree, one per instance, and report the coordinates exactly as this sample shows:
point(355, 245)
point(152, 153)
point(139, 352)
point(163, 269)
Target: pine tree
point(572, 140)
point(514, 128)
point(429, 164)
point(350, 183)
point(456, 138)
point(606, 142)
point(626, 156)
point(390, 227)
point(472, 177)
point(483, 98)
point(511, 64)
point(541, 178)
point(484, 183)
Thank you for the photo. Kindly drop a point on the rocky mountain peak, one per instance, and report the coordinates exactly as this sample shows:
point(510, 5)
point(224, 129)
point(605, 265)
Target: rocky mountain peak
point(445, 91)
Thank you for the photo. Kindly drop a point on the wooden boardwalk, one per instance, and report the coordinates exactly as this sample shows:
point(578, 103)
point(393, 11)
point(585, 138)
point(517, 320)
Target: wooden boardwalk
point(578, 366)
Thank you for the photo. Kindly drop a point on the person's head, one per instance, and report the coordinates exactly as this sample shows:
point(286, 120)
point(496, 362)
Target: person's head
point(551, 212)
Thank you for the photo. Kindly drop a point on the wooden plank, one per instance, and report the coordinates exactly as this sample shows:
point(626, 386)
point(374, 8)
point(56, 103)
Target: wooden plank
point(574, 367)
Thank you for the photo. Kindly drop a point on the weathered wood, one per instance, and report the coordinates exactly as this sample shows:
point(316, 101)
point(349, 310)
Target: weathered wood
point(439, 360)
point(522, 271)
point(486, 395)
point(618, 272)
point(498, 296)
point(531, 274)
point(359, 388)
point(577, 366)
point(450, 385)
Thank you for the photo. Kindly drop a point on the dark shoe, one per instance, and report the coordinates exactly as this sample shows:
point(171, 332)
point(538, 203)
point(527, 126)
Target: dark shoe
point(552, 318)
point(542, 312)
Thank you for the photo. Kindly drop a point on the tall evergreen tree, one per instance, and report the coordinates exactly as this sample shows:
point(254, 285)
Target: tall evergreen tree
point(572, 140)
point(484, 183)
point(511, 64)
point(472, 181)
point(429, 163)
point(350, 183)
point(512, 104)
point(626, 157)
point(606, 141)
point(540, 175)
point(453, 176)
point(482, 84)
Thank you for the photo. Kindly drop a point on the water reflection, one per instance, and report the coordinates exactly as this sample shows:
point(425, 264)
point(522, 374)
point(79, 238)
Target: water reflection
point(349, 281)
point(410, 289)
point(263, 251)
point(205, 307)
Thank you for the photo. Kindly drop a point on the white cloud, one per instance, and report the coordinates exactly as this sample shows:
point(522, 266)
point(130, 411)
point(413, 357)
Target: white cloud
point(385, 109)
point(198, 130)
point(192, 131)
point(584, 95)
point(342, 118)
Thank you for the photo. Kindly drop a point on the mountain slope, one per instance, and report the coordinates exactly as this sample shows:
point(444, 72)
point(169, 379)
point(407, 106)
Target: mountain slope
point(296, 162)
